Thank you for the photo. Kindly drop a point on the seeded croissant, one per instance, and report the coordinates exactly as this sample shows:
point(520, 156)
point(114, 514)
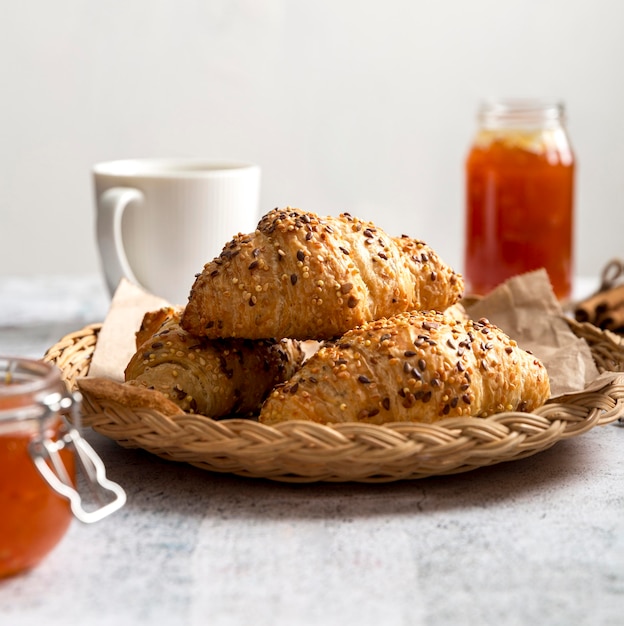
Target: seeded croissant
point(210, 377)
point(417, 367)
point(308, 277)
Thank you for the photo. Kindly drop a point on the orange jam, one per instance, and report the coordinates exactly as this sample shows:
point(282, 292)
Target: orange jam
point(33, 517)
point(519, 198)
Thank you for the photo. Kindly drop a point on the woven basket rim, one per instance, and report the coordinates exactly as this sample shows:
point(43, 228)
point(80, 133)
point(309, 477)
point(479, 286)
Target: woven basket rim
point(297, 451)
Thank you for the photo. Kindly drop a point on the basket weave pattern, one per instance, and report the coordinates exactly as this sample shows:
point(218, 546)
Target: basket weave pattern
point(300, 451)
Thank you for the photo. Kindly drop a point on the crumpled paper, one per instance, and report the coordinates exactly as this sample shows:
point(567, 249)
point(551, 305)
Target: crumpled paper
point(116, 341)
point(525, 307)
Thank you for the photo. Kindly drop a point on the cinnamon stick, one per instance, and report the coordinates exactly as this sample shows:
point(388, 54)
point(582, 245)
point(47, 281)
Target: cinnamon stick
point(599, 305)
point(612, 319)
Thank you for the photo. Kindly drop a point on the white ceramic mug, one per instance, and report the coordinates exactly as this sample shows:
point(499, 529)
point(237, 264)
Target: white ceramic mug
point(160, 220)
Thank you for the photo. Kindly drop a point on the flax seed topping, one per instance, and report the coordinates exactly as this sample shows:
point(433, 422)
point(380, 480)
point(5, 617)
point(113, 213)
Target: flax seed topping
point(411, 382)
point(382, 277)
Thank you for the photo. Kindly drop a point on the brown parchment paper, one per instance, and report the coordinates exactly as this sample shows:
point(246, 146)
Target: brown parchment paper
point(525, 307)
point(116, 342)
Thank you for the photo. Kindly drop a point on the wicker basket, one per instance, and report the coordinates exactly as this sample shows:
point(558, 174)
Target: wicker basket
point(305, 452)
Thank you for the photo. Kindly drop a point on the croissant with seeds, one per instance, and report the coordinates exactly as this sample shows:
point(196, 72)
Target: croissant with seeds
point(211, 377)
point(416, 367)
point(309, 277)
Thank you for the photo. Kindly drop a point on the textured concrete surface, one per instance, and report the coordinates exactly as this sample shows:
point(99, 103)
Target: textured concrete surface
point(537, 541)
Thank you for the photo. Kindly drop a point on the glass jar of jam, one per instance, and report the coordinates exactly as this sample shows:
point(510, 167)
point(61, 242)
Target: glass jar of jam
point(39, 455)
point(519, 196)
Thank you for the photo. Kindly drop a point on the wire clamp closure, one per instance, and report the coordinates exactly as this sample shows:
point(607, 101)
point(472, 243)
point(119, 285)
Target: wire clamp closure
point(106, 496)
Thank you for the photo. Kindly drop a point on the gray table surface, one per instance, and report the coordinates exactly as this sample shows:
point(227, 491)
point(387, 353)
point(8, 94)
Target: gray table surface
point(537, 541)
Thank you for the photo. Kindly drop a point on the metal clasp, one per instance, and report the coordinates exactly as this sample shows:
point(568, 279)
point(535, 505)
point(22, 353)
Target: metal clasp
point(108, 496)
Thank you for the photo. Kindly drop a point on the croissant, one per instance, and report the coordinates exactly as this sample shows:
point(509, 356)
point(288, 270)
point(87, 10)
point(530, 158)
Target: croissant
point(308, 277)
point(209, 377)
point(417, 367)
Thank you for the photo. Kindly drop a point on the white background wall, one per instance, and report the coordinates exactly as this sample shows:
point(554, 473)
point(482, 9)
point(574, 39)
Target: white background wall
point(346, 104)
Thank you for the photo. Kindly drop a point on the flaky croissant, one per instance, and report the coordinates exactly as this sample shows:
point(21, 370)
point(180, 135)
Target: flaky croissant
point(417, 367)
point(210, 377)
point(308, 277)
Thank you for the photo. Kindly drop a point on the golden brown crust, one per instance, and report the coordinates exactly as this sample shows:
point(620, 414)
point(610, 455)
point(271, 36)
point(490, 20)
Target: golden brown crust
point(153, 321)
point(128, 396)
point(309, 277)
point(210, 377)
point(418, 367)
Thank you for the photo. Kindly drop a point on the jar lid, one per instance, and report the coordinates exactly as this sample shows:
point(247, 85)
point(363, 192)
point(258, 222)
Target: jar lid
point(21, 375)
point(25, 385)
point(33, 390)
point(510, 112)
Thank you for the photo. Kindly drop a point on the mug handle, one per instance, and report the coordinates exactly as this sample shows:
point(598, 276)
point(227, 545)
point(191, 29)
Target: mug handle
point(110, 209)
